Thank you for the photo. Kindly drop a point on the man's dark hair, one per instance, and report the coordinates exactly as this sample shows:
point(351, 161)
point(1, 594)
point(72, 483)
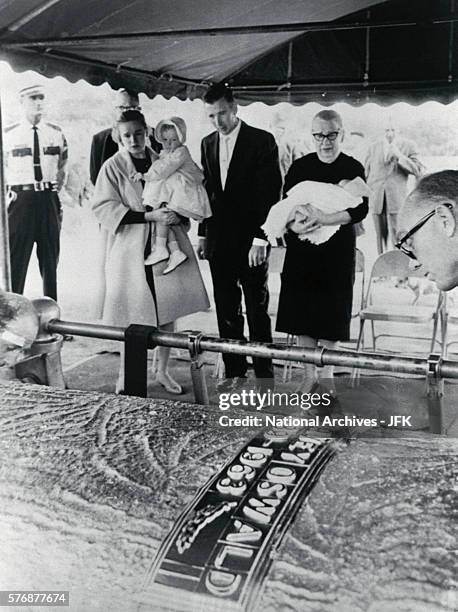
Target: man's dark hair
point(438, 186)
point(131, 115)
point(218, 91)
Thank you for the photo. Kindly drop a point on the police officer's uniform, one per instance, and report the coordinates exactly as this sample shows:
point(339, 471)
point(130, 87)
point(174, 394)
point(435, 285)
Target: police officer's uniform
point(34, 174)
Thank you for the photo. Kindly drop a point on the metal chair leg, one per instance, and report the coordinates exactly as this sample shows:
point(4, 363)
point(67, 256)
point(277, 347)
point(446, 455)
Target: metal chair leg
point(433, 338)
point(444, 330)
point(355, 372)
point(288, 366)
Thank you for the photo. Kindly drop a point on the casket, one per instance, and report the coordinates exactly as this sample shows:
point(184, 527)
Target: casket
point(138, 504)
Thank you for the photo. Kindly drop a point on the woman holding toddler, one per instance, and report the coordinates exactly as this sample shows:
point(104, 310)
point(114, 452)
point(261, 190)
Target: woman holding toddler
point(134, 291)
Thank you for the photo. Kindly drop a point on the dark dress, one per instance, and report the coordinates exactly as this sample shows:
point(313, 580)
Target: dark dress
point(317, 280)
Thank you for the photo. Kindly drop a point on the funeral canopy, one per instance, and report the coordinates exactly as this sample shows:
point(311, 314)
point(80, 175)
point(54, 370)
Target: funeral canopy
point(268, 50)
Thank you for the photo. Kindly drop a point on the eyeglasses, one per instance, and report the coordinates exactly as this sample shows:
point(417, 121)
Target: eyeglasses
point(419, 224)
point(331, 136)
point(128, 108)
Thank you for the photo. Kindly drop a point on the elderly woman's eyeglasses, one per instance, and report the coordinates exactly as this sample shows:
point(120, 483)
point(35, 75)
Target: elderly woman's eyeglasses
point(401, 244)
point(331, 136)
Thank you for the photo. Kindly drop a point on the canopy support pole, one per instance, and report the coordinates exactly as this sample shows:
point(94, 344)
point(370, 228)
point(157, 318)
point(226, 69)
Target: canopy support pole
point(5, 269)
point(450, 44)
point(367, 58)
point(289, 75)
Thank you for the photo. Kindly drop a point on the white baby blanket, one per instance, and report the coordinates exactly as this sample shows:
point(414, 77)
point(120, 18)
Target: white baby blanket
point(327, 197)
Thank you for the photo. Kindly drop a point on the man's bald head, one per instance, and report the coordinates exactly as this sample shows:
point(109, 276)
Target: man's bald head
point(125, 100)
point(391, 128)
point(434, 189)
point(435, 242)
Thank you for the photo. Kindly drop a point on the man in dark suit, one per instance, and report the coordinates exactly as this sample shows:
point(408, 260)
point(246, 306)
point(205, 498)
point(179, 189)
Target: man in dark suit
point(243, 180)
point(103, 146)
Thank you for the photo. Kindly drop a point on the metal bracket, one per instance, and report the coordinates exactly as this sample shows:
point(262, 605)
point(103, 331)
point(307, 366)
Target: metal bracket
point(319, 351)
point(199, 382)
point(435, 392)
point(435, 383)
point(43, 365)
point(137, 341)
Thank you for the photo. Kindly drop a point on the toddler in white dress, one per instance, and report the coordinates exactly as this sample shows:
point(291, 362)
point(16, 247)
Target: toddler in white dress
point(175, 181)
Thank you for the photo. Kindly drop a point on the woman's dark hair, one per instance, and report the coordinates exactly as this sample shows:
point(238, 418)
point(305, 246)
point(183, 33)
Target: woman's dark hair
point(131, 115)
point(124, 117)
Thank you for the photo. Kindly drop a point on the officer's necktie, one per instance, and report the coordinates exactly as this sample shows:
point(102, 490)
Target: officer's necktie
point(36, 156)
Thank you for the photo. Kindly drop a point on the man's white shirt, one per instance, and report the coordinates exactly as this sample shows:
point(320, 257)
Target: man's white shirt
point(226, 150)
point(18, 145)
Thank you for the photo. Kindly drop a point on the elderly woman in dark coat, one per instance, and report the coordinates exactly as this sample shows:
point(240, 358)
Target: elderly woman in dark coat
point(317, 279)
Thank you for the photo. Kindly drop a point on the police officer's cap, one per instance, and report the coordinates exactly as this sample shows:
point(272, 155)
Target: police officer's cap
point(32, 90)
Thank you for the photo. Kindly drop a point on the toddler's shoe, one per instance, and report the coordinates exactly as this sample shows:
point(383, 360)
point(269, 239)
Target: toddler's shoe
point(176, 258)
point(158, 255)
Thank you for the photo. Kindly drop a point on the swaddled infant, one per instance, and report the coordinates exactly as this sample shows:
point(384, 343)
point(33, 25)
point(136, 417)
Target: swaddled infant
point(291, 213)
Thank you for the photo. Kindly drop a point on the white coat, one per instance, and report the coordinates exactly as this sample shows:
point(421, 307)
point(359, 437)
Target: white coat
point(389, 179)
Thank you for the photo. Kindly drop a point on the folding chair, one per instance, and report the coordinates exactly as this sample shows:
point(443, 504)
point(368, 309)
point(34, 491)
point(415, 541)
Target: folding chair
point(360, 268)
point(397, 264)
point(449, 317)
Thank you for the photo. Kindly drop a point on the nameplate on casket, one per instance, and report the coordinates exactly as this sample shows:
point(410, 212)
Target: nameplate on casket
point(221, 547)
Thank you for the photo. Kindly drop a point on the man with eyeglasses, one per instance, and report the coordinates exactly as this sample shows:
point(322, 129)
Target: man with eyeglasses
point(36, 159)
point(103, 146)
point(389, 162)
point(429, 227)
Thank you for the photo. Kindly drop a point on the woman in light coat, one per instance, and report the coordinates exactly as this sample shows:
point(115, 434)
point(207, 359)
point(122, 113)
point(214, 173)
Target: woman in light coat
point(131, 293)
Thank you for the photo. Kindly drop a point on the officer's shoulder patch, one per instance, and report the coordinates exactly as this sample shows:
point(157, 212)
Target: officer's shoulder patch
point(54, 126)
point(11, 127)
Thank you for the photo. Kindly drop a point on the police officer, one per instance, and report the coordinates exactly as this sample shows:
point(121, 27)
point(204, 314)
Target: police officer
point(36, 157)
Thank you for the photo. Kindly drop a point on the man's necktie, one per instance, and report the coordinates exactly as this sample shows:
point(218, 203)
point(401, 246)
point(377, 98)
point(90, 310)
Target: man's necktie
point(224, 157)
point(36, 156)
